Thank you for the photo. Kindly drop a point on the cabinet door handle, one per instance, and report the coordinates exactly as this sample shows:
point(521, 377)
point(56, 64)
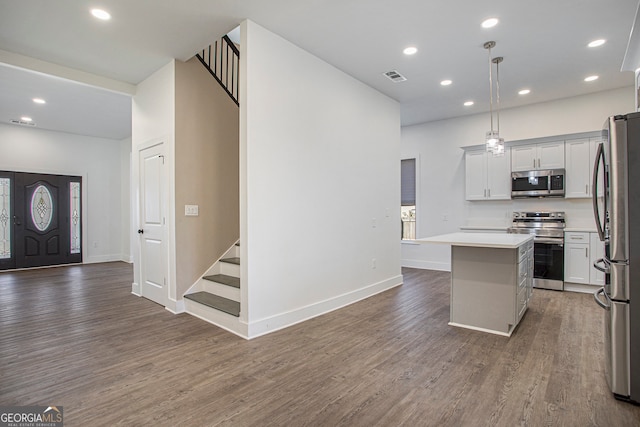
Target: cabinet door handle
point(489, 192)
point(586, 188)
point(534, 163)
point(586, 252)
point(485, 192)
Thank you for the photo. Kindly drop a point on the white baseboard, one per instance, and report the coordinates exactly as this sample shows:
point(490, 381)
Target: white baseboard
point(175, 307)
point(135, 289)
point(290, 318)
point(94, 259)
point(426, 265)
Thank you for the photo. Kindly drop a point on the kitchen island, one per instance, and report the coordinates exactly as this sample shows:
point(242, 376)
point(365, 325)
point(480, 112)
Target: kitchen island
point(491, 279)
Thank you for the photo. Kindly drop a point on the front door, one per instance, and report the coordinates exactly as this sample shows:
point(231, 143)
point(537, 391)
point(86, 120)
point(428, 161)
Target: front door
point(39, 220)
point(153, 254)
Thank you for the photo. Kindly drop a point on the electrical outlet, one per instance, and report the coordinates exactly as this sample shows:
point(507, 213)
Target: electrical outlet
point(373, 222)
point(191, 210)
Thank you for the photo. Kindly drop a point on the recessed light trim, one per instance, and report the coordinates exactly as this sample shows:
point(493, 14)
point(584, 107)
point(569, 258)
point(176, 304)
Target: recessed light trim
point(103, 15)
point(39, 101)
point(597, 43)
point(524, 92)
point(411, 50)
point(446, 82)
point(26, 119)
point(490, 23)
point(591, 78)
point(468, 103)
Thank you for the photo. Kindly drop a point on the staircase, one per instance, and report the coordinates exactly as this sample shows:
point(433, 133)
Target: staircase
point(215, 298)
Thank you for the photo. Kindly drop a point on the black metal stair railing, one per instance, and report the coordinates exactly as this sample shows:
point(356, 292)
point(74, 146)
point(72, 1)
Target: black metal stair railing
point(222, 59)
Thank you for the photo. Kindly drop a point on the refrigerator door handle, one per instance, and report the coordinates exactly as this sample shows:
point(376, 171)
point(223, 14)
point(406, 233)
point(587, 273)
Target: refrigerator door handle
point(594, 195)
point(599, 301)
point(605, 266)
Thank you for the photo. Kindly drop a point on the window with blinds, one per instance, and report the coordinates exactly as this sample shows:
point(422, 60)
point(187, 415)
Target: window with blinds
point(408, 198)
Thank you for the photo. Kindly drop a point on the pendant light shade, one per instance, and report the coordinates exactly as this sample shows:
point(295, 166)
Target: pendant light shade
point(494, 143)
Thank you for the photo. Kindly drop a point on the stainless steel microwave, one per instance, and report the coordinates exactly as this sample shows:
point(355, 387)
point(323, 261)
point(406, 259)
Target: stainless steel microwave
point(538, 183)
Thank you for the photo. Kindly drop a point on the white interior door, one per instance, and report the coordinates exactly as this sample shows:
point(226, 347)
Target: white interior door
point(153, 254)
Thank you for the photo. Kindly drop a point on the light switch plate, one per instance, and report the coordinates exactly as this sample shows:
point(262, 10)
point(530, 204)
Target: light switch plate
point(191, 210)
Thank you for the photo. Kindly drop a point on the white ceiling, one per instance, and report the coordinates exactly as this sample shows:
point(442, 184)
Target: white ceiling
point(543, 43)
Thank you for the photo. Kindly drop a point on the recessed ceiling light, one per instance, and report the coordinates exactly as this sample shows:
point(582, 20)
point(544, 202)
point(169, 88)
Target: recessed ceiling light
point(524, 92)
point(591, 78)
point(410, 50)
point(491, 22)
point(26, 119)
point(101, 14)
point(597, 43)
point(468, 103)
point(446, 82)
point(39, 101)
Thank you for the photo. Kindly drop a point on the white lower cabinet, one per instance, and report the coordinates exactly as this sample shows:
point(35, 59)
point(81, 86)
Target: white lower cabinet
point(581, 250)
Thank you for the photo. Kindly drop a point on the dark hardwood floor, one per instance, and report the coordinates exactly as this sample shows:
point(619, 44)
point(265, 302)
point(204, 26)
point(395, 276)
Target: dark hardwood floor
point(76, 337)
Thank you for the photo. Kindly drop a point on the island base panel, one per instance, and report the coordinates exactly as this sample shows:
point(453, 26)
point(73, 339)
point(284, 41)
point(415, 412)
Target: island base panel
point(483, 288)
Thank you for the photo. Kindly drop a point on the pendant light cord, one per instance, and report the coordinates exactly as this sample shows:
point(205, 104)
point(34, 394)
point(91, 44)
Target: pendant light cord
point(490, 89)
point(498, 94)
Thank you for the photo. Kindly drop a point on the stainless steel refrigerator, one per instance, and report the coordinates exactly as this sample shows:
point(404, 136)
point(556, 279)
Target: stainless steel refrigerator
point(616, 205)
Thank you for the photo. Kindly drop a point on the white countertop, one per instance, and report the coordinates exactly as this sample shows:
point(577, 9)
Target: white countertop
point(483, 240)
point(485, 227)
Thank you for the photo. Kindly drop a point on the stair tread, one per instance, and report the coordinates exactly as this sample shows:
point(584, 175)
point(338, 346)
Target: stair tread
point(214, 301)
point(233, 260)
point(224, 279)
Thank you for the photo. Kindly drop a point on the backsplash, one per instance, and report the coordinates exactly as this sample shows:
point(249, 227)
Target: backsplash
point(579, 212)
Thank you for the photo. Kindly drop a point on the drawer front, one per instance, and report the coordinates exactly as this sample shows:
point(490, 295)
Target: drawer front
point(524, 249)
point(522, 302)
point(522, 273)
point(576, 237)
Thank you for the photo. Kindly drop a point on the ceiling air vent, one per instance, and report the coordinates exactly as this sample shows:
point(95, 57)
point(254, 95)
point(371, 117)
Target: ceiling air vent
point(22, 122)
point(394, 76)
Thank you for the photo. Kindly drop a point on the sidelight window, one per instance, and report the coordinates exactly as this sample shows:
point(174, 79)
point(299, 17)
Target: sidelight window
point(5, 216)
point(74, 216)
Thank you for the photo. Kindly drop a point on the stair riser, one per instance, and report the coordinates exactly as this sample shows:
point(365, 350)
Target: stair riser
point(230, 269)
point(221, 290)
point(213, 316)
point(234, 252)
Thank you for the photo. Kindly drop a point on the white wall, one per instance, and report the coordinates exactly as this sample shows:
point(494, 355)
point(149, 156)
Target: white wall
point(125, 198)
point(319, 166)
point(97, 160)
point(441, 166)
point(153, 121)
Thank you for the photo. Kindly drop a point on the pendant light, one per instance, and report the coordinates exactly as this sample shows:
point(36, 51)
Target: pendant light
point(493, 142)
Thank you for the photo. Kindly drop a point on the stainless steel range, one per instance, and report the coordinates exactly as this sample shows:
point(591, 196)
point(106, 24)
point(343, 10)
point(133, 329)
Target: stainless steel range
point(548, 241)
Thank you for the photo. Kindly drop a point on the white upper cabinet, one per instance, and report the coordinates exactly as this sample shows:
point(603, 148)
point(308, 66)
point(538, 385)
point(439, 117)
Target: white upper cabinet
point(548, 155)
point(580, 156)
point(487, 177)
point(578, 168)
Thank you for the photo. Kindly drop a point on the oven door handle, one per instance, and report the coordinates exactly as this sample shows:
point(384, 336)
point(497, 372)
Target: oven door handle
point(549, 240)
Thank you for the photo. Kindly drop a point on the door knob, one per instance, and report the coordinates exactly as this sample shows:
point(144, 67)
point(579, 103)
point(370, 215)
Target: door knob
point(141, 231)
